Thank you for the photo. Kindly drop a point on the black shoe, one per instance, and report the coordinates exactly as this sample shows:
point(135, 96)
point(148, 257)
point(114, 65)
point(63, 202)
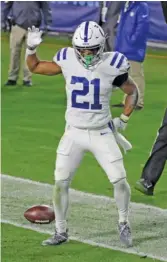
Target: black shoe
point(11, 83)
point(138, 108)
point(27, 83)
point(118, 105)
point(145, 187)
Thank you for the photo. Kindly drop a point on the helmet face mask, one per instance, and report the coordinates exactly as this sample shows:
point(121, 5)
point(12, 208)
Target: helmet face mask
point(88, 43)
point(91, 58)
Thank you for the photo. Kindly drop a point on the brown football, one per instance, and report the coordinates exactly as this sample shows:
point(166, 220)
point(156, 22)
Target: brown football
point(41, 214)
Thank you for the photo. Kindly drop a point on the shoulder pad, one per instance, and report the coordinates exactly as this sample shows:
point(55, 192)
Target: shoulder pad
point(118, 61)
point(61, 54)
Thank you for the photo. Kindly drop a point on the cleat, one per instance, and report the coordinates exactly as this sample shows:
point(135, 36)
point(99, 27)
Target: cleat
point(56, 239)
point(11, 83)
point(145, 187)
point(27, 83)
point(125, 234)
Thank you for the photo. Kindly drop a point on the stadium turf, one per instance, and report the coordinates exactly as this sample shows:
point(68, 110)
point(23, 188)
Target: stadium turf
point(32, 124)
point(24, 246)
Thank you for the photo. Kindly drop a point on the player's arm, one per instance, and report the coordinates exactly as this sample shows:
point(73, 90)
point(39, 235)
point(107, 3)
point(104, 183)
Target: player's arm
point(130, 89)
point(34, 64)
point(42, 67)
point(128, 86)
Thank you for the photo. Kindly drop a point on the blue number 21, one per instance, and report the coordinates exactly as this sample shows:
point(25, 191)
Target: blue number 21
point(86, 105)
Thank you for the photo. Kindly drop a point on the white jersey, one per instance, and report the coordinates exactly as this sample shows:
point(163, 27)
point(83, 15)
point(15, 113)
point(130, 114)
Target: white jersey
point(89, 91)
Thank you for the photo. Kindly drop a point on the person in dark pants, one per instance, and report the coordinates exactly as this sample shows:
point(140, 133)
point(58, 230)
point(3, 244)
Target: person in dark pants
point(110, 11)
point(155, 164)
point(164, 8)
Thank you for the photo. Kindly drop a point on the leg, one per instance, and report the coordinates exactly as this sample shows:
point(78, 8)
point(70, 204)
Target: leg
point(65, 169)
point(27, 75)
point(69, 156)
point(110, 27)
point(155, 164)
point(137, 73)
point(117, 176)
point(109, 31)
point(109, 157)
point(152, 172)
point(16, 41)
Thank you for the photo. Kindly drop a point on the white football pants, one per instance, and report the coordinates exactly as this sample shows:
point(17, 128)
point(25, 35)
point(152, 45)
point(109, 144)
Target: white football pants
point(100, 142)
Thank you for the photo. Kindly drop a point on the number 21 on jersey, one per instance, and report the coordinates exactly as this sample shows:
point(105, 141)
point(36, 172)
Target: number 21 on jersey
point(85, 91)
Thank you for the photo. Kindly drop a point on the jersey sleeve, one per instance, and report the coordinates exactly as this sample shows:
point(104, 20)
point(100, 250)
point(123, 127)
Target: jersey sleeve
point(120, 80)
point(61, 56)
point(120, 64)
point(119, 69)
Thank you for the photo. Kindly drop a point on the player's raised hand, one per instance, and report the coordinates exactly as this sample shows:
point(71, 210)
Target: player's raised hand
point(34, 37)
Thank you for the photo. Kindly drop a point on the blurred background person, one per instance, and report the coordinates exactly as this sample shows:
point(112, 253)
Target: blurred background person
point(23, 14)
point(131, 41)
point(110, 11)
point(164, 8)
point(155, 164)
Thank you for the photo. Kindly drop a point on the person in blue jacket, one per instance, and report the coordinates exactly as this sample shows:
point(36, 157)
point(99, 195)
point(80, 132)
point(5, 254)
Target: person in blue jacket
point(131, 41)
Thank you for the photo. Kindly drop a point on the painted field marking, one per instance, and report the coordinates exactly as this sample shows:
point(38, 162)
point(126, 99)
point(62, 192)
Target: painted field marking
point(92, 218)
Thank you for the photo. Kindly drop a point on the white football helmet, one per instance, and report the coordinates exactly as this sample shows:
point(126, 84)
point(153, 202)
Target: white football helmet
point(89, 36)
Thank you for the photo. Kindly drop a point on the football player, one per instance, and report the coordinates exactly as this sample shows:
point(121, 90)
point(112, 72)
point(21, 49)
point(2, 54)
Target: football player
point(90, 76)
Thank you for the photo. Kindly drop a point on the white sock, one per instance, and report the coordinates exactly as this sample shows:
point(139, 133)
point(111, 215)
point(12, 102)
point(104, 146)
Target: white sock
point(61, 226)
point(122, 195)
point(60, 202)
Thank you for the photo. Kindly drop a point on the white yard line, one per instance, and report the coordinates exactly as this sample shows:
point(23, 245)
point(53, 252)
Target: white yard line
point(92, 218)
point(29, 181)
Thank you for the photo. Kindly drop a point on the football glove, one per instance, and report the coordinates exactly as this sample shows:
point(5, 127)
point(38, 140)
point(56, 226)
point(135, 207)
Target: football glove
point(120, 123)
point(33, 38)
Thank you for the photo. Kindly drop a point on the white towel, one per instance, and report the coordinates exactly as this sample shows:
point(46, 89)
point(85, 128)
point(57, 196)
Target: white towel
point(122, 141)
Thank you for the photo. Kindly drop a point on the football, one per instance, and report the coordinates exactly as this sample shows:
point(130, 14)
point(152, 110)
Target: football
point(41, 214)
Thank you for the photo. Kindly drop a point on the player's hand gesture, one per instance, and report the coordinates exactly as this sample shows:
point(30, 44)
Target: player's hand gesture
point(119, 124)
point(34, 37)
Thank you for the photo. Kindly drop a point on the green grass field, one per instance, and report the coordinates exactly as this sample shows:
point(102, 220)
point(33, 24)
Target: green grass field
point(32, 125)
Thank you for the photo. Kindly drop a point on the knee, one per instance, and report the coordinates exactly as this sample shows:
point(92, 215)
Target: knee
point(60, 190)
point(117, 172)
point(122, 185)
point(61, 185)
point(61, 173)
point(120, 182)
point(16, 48)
